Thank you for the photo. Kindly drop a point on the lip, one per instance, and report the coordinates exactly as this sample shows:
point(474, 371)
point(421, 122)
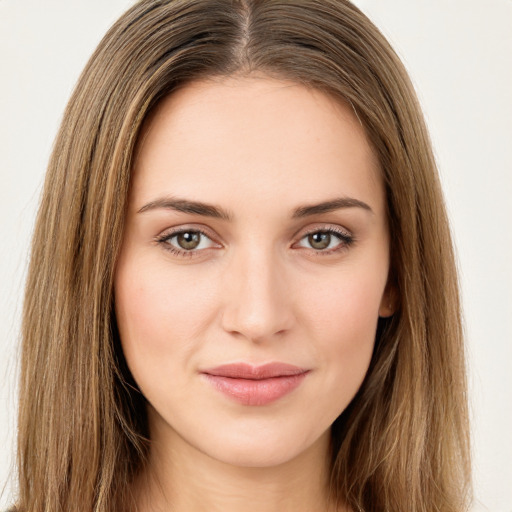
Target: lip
point(255, 385)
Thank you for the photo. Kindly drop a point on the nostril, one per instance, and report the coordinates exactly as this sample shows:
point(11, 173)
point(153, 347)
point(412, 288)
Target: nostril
point(256, 299)
point(257, 324)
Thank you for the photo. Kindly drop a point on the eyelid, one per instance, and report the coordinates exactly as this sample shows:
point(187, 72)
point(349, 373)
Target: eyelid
point(181, 228)
point(344, 235)
point(346, 238)
point(323, 227)
point(169, 233)
point(333, 228)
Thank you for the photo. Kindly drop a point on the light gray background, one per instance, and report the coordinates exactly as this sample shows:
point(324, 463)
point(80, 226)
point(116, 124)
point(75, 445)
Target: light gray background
point(459, 53)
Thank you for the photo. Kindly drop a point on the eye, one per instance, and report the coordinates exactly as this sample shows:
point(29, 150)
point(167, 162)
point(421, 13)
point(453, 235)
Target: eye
point(186, 241)
point(326, 240)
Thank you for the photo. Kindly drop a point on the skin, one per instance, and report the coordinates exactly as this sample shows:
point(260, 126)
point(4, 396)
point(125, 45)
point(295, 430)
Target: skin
point(255, 290)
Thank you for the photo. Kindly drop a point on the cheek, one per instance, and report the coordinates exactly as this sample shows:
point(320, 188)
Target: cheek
point(159, 315)
point(343, 319)
point(151, 297)
point(347, 308)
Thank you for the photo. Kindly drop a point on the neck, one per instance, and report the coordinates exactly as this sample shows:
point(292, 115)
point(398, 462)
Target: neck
point(180, 478)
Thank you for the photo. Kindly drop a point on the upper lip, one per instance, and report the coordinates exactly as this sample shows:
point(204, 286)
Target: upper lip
point(251, 372)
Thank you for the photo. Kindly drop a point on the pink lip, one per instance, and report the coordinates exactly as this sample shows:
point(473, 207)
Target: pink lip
point(255, 385)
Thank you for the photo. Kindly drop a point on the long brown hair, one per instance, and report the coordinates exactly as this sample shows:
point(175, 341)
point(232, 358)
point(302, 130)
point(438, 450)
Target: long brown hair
point(402, 444)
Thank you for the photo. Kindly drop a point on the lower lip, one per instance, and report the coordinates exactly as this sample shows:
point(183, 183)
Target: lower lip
point(256, 392)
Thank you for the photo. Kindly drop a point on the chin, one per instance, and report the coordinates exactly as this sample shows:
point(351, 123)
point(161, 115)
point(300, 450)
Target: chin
point(263, 448)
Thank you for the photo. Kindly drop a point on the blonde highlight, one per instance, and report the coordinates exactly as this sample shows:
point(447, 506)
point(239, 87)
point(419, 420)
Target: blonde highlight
point(402, 444)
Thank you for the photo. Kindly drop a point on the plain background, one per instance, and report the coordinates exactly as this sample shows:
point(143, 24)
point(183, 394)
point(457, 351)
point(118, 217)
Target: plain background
point(459, 54)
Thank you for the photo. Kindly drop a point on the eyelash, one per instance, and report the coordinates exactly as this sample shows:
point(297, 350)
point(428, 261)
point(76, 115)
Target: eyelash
point(346, 240)
point(166, 237)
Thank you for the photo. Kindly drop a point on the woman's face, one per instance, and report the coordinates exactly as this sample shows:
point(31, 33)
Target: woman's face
point(253, 268)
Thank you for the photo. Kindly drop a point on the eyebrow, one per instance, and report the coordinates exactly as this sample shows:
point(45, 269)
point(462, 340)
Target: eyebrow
point(209, 210)
point(330, 206)
point(186, 206)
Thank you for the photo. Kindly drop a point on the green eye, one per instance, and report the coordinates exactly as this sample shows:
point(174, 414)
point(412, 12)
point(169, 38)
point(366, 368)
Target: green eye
point(326, 240)
point(188, 240)
point(320, 240)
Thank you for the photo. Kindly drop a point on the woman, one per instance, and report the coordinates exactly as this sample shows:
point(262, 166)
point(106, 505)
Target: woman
point(242, 292)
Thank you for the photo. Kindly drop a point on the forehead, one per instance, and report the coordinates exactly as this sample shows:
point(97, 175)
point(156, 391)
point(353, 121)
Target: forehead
point(255, 137)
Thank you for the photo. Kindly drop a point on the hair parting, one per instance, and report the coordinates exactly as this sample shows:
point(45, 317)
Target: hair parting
point(402, 444)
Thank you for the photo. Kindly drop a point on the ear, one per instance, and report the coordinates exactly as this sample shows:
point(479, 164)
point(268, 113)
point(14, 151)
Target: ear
point(389, 301)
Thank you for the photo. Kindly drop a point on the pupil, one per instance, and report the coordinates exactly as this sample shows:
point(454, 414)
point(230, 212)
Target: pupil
point(319, 240)
point(189, 240)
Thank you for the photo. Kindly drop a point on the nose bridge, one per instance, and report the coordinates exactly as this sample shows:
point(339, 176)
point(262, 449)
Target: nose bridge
point(257, 304)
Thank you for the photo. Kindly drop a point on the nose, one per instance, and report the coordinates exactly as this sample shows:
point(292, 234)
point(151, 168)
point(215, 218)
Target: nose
point(258, 305)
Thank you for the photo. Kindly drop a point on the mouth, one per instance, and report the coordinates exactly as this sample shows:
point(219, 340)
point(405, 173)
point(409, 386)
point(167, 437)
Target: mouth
point(255, 385)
